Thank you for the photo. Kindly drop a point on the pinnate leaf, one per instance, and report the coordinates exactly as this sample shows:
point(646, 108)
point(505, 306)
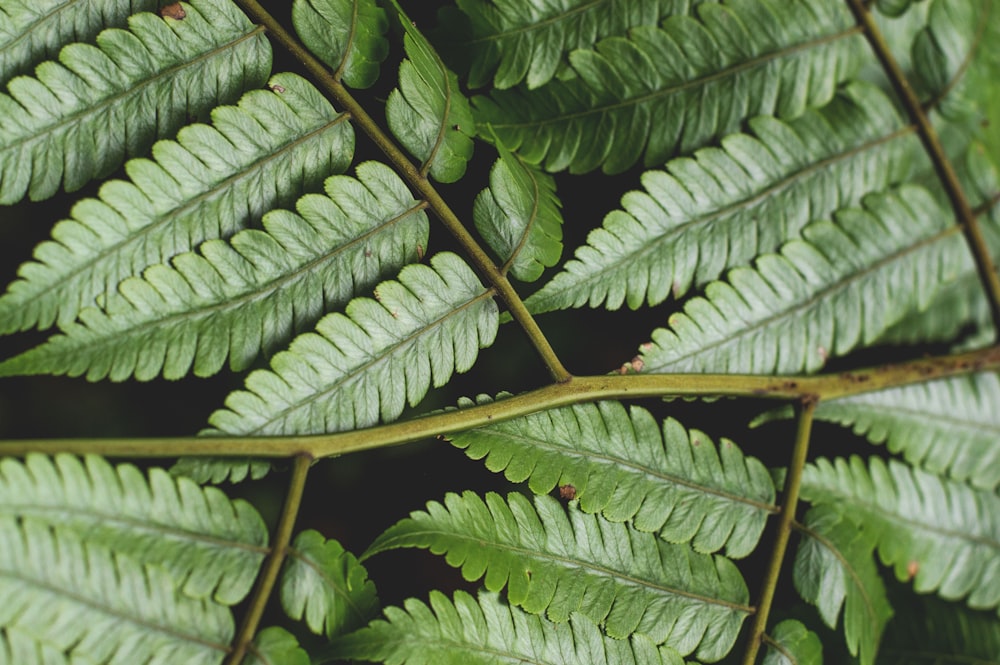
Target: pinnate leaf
point(347, 35)
point(623, 465)
point(791, 643)
point(80, 117)
point(276, 646)
point(371, 361)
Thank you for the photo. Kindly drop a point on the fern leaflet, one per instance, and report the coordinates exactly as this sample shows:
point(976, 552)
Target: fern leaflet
point(276, 646)
point(82, 116)
point(791, 643)
point(347, 35)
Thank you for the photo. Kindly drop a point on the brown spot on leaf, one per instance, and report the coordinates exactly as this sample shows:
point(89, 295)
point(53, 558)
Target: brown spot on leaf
point(277, 88)
point(567, 492)
point(174, 11)
point(912, 568)
point(420, 252)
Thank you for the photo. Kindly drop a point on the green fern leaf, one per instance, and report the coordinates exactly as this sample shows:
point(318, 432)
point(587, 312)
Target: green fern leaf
point(954, 58)
point(680, 80)
point(211, 182)
point(948, 426)
point(625, 580)
point(428, 112)
point(244, 296)
point(821, 296)
point(209, 545)
point(942, 534)
point(32, 30)
point(929, 630)
point(370, 362)
point(217, 470)
point(791, 643)
point(518, 216)
point(526, 40)
point(729, 204)
point(66, 595)
point(893, 7)
point(347, 35)
point(834, 568)
point(325, 584)
point(488, 632)
point(82, 116)
point(276, 646)
point(624, 466)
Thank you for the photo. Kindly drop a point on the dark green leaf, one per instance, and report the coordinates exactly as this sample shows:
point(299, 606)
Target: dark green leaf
point(347, 35)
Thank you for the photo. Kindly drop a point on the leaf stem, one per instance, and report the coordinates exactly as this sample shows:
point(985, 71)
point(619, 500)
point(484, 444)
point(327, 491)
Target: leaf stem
point(272, 566)
point(793, 482)
point(417, 179)
point(942, 165)
point(577, 390)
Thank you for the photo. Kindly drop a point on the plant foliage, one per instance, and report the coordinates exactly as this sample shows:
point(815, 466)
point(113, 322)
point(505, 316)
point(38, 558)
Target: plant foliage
point(783, 194)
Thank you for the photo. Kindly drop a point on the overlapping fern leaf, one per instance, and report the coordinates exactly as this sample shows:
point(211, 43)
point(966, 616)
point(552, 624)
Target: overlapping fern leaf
point(80, 117)
point(623, 465)
point(211, 182)
point(275, 645)
point(239, 297)
point(559, 562)
point(821, 296)
point(694, 80)
point(33, 30)
point(487, 631)
point(791, 643)
point(348, 37)
point(105, 565)
point(369, 362)
point(524, 40)
point(728, 204)
point(941, 534)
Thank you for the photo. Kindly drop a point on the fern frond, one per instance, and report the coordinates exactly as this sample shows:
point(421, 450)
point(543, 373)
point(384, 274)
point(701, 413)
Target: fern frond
point(428, 112)
point(66, 595)
point(622, 465)
point(276, 646)
point(82, 116)
point(669, 90)
point(834, 568)
point(942, 534)
point(518, 217)
point(929, 630)
point(729, 204)
point(370, 362)
point(948, 426)
point(32, 30)
point(528, 40)
point(821, 296)
point(211, 182)
point(347, 35)
point(791, 643)
point(486, 631)
point(625, 580)
point(238, 298)
point(325, 584)
point(954, 60)
point(208, 544)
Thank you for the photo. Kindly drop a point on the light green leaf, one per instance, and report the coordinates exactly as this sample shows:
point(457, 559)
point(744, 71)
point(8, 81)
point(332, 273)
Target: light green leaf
point(932, 631)
point(347, 35)
point(63, 594)
point(673, 89)
point(213, 181)
point(428, 112)
point(368, 363)
point(244, 296)
point(822, 296)
point(276, 646)
point(208, 545)
point(834, 568)
point(728, 204)
point(217, 470)
point(32, 30)
point(791, 643)
point(82, 116)
point(325, 584)
point(942, 534)
point(528, 40)
point(558, 564)
point(948, 426)
point(624, 466)
point(486, 631)
point(518, 216)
